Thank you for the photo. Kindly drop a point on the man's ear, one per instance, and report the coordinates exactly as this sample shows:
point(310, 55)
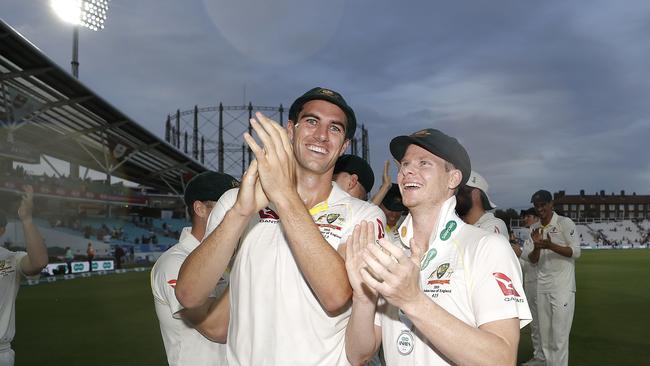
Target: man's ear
point(354, 180)
point(199, 209)
point(346, 143)
point(290, 129)
point(455, 177)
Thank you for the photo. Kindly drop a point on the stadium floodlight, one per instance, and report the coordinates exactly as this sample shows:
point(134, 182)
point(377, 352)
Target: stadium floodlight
point(86, 13)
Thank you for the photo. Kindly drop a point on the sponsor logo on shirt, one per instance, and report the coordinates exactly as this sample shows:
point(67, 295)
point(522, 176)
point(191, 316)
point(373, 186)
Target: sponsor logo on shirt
point(506, 286)
point(380, 229)
point(427, 259)
point(6, 268)
point(269, 216)
point(172, 283)
point(445, 234)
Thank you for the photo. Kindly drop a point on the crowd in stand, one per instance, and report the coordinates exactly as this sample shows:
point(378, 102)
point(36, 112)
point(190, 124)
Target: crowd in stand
point(67, 182)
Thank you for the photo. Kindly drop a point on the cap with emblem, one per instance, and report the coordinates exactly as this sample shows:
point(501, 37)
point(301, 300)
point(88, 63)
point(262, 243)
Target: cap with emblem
point(353, 164)
point(437, 143)
point(477, 181)
point(328, 95)
point(541, 196)
point(393, 199)
point(208, 186)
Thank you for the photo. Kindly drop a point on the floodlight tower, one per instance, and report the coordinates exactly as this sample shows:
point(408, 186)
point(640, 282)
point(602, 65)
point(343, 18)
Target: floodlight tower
point(87, 13)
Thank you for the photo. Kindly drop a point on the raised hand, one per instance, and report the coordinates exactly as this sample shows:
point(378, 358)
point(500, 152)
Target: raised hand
point(275, 159)
point(27, 204)
point(251, 197)
point(386, 179)
point(363, 235)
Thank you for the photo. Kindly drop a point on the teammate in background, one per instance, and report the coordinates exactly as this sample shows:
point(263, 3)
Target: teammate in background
point(530, 288)
point(473, 204)
point(555, 250)
point(456, 298)
point(289, 294)
point(354, 175)
point(13, 266)
point(189, 334)
point(394, 210)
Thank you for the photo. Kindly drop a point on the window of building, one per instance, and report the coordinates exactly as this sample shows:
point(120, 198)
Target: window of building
point(573, 207)
point(602, 214)
point(621, 207)
point(565, 207)
point(640, 207)
point(612, 215)
point(630, 207)
point(612, 207)
point(582, 207)
point(602, 207)
point(573, 215)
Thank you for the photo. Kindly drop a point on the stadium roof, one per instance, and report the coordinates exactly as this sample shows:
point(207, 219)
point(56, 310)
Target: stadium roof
point(45, 110)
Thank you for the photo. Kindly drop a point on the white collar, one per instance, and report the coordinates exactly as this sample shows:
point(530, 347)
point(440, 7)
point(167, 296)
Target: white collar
point(447, 215)
point(187, 240)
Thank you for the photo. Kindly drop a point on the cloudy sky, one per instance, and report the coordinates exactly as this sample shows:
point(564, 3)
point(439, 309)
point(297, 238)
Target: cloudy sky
point(543, 94)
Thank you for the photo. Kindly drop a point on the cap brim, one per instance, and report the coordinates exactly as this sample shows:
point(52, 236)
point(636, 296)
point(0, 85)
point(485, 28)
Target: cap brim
point(399, 144)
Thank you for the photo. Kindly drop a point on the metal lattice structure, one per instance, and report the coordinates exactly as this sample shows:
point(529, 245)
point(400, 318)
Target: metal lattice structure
point(214, 135)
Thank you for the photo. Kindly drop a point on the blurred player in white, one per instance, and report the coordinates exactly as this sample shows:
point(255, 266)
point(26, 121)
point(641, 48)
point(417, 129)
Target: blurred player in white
point(555, 250)
point(530, 288)
point(289, 294)
point(455, 296)
point(473, 204)
point(189, 335)
point(13, 267)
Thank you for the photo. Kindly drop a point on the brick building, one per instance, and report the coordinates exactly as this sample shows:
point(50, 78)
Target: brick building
point(602, 205)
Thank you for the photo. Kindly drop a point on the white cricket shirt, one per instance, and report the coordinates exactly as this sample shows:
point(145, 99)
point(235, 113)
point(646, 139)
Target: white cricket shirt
point(10, 274)
point(275, 319)
point(492, 224)
point(556, 272)
point(184, 345)
point(472, 274)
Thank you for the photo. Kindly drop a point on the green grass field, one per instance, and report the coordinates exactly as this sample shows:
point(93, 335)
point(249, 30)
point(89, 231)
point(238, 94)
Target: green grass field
point(110, 320)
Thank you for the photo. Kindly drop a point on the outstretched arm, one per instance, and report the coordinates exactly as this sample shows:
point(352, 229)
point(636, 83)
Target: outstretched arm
point(36, 258)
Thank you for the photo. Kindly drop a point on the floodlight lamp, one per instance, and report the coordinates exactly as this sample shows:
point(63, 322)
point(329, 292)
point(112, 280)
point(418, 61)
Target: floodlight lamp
point(88, 13)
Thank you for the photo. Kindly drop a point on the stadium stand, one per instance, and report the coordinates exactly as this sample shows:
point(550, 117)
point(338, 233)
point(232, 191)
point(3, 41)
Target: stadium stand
point(608, 234)
point(47, 113)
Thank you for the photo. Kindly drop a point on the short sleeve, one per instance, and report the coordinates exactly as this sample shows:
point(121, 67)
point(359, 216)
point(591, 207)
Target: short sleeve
point(225, 203)
point(18, 257)
point(497, 292)
point(370, 213)
point(163, 278)
point(568, 228)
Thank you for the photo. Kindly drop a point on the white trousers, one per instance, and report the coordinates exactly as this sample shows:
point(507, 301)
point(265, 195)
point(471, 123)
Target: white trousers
point(530, 288)
point(7, 357)
point(555, 311)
